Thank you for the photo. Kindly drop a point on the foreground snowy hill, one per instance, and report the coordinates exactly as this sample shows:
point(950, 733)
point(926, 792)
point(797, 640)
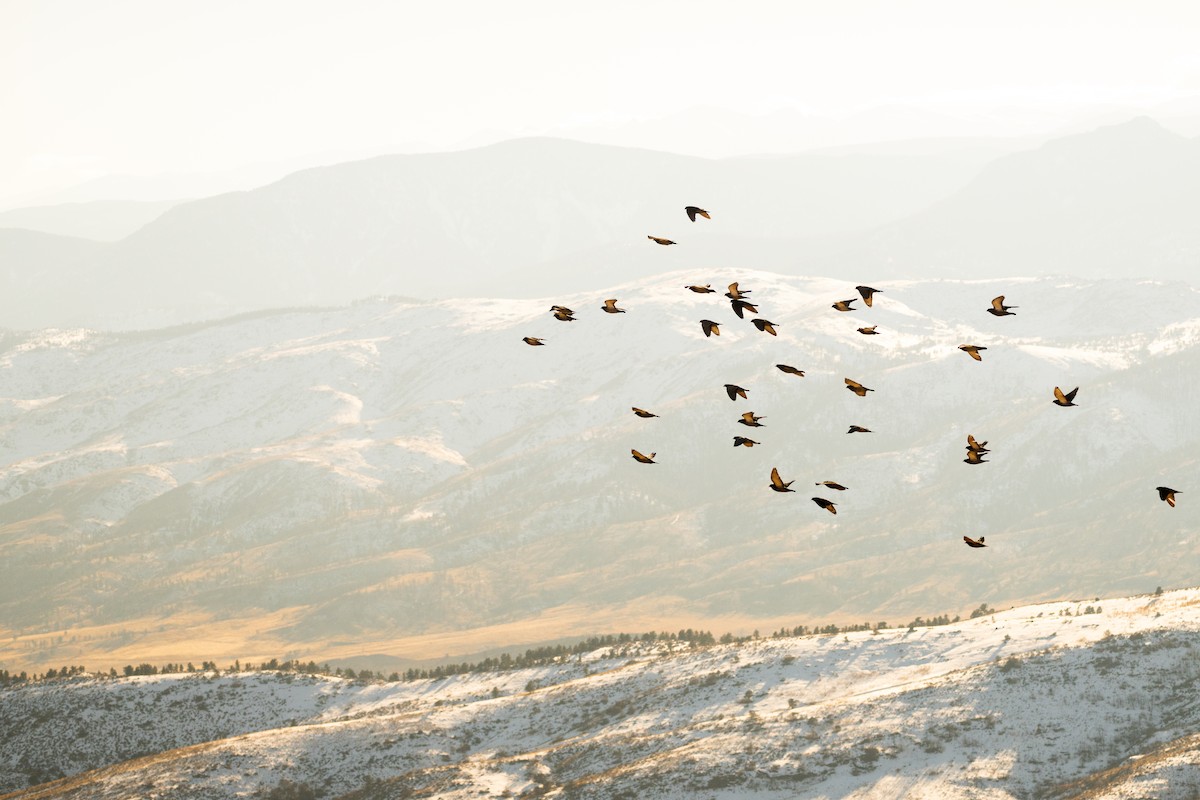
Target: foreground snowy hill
point(1065, 699)
point(408, 480)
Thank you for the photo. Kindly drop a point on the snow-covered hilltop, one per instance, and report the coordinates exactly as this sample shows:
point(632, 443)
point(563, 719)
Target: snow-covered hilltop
point(1067, 699)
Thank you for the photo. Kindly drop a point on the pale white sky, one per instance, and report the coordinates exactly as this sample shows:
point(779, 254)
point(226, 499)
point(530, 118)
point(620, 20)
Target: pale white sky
point(159, 86)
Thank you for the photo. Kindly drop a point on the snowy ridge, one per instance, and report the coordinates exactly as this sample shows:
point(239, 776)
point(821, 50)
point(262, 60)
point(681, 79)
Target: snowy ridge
point(1047, 700)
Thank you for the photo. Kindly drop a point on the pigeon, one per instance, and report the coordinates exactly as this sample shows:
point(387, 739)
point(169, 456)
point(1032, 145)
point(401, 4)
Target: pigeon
point(974, 457)
point(751, 421)
point(790, 370)
point(705, 289)
point(643, 413)
point(563, 309)
point(533, 341)
point(1167, 495)
point(693, 211)
point(564, 315)
point(868, 294)
point(976, 446)
point(734, 391)
point(777, 483)
point(735, 293)
point(710, 328)
point(644, 459)
point(859, 429)
point(1064, 400)
point(857, 388)
point(974, 543)
point(844, 305)
point(610, 307)
point(659, 240)
point(828, 505)
point(831, 485)
point(998, 308)
point(972, 350)
point(741, 305)
point(765, 326)
point(869, 331)
point(742, 441)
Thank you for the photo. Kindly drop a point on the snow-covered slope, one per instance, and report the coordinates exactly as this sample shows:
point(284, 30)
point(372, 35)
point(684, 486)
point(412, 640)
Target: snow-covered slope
point(409, 478)
point(1065, 699)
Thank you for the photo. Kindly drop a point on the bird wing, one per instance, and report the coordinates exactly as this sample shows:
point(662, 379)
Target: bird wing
point(691, 212)
point(998, 303)
point(853, 384)
point(612, 303)
point(775, 479)
point(1059, 396)
point(1071, 394)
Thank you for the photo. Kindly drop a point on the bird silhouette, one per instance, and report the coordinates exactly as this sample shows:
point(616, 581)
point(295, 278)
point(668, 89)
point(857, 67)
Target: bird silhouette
point(610, 307)
point(693, 211)
point(705, 289)
point(735, 293)
point(533, 341)
point(998, 308)
point(1167, 495)
point(972, 350)
point(859, 429)
point(740, 305)
point(974, 457)
point(868, 294)
point(790, 370)
point(777, 483)
point(974, 542)
point(844, 305)
point(831, 485)
point(644, 459)
point(742, 441)
point(857, 388)
point(641, 412)
point(710, 328)
point(765, 325)
point(659, 240)
point(734, 391)
point(1064, 400)
point(751, 421)
point(828, 505)
point(975, 446)
point(869, 331)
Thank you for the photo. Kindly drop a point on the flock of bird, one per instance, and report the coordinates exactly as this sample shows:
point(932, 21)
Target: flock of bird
point(740, 303)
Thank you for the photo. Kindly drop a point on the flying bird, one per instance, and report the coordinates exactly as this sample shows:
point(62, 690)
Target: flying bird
point(1064, 400)
point(735, 293)
point(734, 391)
point(869, 331)
point(643, 413)
point(741, 305)
point(564, 315)
point(610, 307)
point(974, 457)
point(1167, 495)
point(643, 459)
point(868, 294)
point(831, 485)
point(998, 308)
point(976, 446)
point(710, 328)
point(765, 325)
point(659, 240)
point(533, 341)
point(973, 542)
point(777, 483)
point(705, 289)
point(790, 370)
point(563, 309)
point(828, 505)
point(857, 388)
point(742, 441)
point(844, 305)
point(859, 429)
point(972, 350)
point(751, 421)
point(693, 211)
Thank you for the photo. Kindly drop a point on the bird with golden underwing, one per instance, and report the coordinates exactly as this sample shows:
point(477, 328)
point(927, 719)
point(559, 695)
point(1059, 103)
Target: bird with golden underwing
point(533, 341)
point(1064, 400)
point(857, 388)
point(643, 459)
point(978, 447)
point(643, 413)
point(765, 325)
point(859, 429)
point(740, 306)
point(869, 331)
point(972, 350)
point(831, 485)
point(844, 305)
point(1167, 495)
point(777, 483)
point(974, 542)
point(705, 289)
point(750, 420)
point(710, 328)
point(868, 294)
point(610, 307)
point(828, 505)
point(659, 240)
point(998, 308)
point(734, 391)
point(742, 441)
point(695, 211)
point(790, 370)
point(974, 457)
point(736, 293)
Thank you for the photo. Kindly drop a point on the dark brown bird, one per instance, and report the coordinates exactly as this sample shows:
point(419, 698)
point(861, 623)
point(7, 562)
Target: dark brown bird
point(710, 328)
point(831, 485)
point(1167, 495)
point(857, 388)
point(765, 326)
point(998, 308)
point(828, 505)
point(974, 457)
point(643, 413)
point(844, 305)
point(1064, 400)
point(869, 331)
point(741, 305)
point(693, 211)
point(643, 459)
point(868, 294)
point(563, 309)
point(705, 289)
point(859, 429)
point(533, 341)
point(972, 350)
point(790, 370)
point(563, 315)
point(777, 483)
point(610, 307)
point(973, 542)
point(659, 240)
point(735, 293)
point(750, 420)
point(734, 391)
point(742, 441)
point(976, 446)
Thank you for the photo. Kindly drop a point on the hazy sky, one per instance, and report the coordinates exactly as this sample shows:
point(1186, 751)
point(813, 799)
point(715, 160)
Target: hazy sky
point(147, 86)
